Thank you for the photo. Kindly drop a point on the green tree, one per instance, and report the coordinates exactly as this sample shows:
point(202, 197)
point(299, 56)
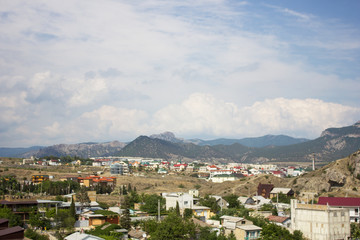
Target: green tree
point(355, 230)
point(151, 203)
point(175, 228)
point(271, 231)
point(282, 198)
point(14, 220)
point(31, 234)
point(232, 199)
point(125, 221)
point(210, 202)
point(36, 220)
point(72, 209)
point(177, 209)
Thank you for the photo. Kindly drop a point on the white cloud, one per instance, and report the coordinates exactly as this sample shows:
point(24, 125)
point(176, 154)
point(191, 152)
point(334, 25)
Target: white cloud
point(204, 114)
point(121, 68)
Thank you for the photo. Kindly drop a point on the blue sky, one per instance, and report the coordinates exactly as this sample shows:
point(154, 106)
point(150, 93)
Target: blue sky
point(79, 71)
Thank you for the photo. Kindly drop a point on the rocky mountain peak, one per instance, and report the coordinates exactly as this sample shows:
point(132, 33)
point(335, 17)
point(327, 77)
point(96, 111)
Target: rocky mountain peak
point(167, 136)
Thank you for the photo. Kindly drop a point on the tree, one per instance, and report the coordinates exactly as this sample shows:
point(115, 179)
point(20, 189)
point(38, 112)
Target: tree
point(232, 199)
point(177, 209)
point(174, 227)
point(14, 220)
point(272, 231)
point(82, 197)
point(151, 203)
point(125, 221)
point(355, 230)
point(209, 202)
point(72, 209)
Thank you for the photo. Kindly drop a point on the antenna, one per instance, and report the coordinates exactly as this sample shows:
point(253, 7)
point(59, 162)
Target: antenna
point(313, 162)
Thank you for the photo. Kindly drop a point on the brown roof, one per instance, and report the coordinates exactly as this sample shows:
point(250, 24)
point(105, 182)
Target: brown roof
point(3, 220)
point(199, 222)
point(278, 219)
point(136, 233)
point(11, 230)
point(264, 188)
point(18, 202)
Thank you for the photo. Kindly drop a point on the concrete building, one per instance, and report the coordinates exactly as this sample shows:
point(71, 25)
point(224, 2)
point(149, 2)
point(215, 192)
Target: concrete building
point(320, 222)
point(352, 204)
point(240, 227)
point(185, 200)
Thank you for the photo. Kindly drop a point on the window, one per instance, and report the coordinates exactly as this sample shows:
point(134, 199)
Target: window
point(335, 214)
point(356, 211)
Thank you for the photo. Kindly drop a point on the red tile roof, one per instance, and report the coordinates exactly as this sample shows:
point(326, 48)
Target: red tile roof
point(278, 219)
point(339, 201)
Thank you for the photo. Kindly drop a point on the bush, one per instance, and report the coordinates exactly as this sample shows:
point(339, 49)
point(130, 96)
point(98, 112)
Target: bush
point(29, 233)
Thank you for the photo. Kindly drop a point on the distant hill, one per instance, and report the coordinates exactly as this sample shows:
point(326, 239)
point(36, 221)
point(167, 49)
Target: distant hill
point(144, 146)
point(83, 150)
point(268, 140)
point(334, 143)
point(17, 152)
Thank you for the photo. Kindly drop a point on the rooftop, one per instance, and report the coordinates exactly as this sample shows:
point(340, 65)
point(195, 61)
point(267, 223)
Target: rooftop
point(339, 201)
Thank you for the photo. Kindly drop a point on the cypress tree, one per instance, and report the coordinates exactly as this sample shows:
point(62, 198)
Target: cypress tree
point(177, 209)
point(72, 209)
point(125, 221)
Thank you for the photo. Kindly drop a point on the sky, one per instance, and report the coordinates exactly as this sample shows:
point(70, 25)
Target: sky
point(98, 71)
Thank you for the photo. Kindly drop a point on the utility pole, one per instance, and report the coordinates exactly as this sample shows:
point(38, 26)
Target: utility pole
point(159, 210)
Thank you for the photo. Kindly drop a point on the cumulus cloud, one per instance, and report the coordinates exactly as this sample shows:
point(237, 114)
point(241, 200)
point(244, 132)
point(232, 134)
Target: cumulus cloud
point(203, 113)
point(94, 71)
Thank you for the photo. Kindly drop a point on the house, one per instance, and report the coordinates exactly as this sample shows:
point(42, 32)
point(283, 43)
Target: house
point(194, 192)
point(82, 236)
point(185, 200)
point(100, 219)
point(247, 232)
point(203, 212)
point(178, 167)
point(10, 233)
point(352, 204)
point(264, 190)
point(320, 222)
point(69, 178)
point(137, 234)
point(240, 227)
point(279, 220)
point(54, 162)
point(162, 171)
point(286, 191)
point(39, 178)
point(280, 174)
point(219, 178)
point(18, 206)
point(222, 203)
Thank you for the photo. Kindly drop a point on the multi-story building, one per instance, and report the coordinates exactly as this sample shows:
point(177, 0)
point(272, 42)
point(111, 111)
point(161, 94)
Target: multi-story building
point(242, 228)
point(320, 222)
point(352, 204)
point(39, 178)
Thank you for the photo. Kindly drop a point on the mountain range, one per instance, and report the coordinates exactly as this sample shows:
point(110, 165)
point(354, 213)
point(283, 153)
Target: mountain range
point(334, 143)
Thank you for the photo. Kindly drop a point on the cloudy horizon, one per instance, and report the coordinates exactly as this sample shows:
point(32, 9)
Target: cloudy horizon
point(97, 71)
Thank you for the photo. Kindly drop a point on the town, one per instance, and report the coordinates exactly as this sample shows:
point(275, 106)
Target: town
point(126, 198)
